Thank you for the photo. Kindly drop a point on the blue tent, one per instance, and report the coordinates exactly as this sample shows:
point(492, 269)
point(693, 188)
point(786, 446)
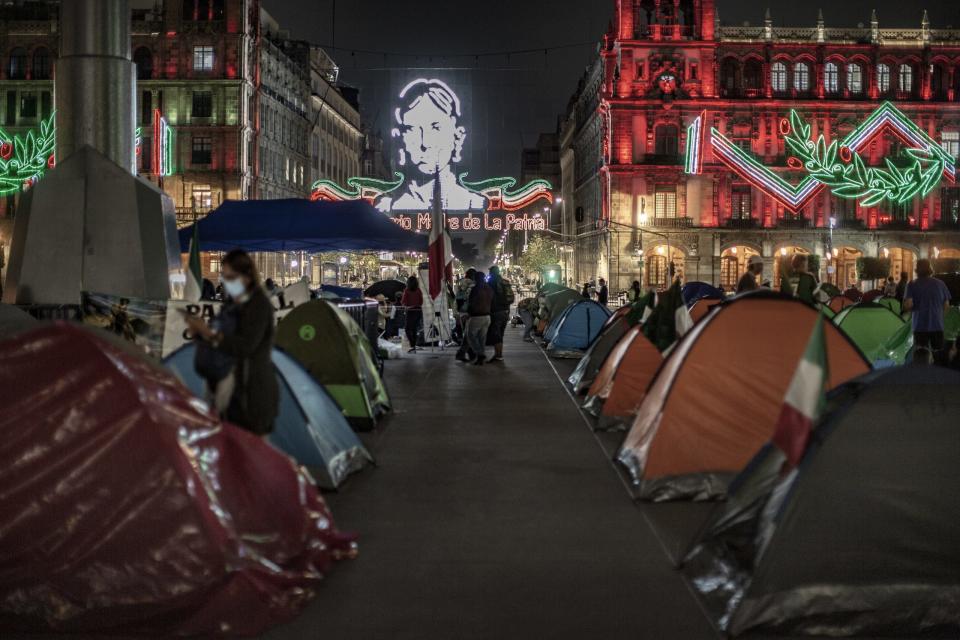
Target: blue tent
point(344, 293)
point(300, 225)
point(576, 329)
point(693, 291)
point(310, 426)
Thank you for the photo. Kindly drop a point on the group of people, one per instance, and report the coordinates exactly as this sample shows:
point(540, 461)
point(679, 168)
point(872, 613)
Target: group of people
point(600, 292)
point(483, 308)
point(926, 297)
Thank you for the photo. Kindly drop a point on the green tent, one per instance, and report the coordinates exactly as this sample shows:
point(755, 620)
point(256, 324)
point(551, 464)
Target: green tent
point(332, 347)
point(896, 350)
point(557, 301)
point(869, 325)
point(551, 287)
point(827, 312)
point(890, 303)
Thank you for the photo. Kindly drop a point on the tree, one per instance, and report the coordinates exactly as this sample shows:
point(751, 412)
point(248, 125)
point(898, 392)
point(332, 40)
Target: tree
point(540, 252)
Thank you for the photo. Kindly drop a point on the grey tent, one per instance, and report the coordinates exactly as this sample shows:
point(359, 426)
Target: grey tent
point(310, 427)
point(13, 320)
point(861, 538)
point(588, 367)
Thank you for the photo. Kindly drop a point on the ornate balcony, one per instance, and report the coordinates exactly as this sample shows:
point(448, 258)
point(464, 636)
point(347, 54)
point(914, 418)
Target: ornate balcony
point(741, 223)
point(850, 223)
point(793, 222)
point(668, 223)
point(897, 225)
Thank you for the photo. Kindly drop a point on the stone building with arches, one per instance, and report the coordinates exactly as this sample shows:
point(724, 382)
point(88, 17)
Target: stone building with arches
point(666, 63)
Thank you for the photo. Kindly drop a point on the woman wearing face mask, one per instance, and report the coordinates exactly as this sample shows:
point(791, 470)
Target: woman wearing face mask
point(248, 396)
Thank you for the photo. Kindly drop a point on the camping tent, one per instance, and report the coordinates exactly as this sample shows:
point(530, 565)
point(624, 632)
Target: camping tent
point(611, 332)
point(309, 427)
point(551, 287)
point(868, 324)
point(838, 303)
point(898, 347)
point(576, 328)
point(331, 346)
point(952, 280)
point(621, 384)
point(717, 396)
point(342, 293)
point(890, 303)
point(872, 295)
point(828, 289)
point(14, 320)
point(300, 225)
point(693, 291)
point(129, 509)
point(702, 307)
point(861, 539)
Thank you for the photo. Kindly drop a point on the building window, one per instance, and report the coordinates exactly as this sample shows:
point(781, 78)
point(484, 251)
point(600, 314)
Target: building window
point(146, 107)
point(801, 76)
point(11, 117)
point(753, 75)
point(906, 78)
point(641, 70)
point(17, 66)
point(202, 197)
point(740, 202)
point(143, 58)
point(203, 58)
point(665, 202)
point(693, 70)
point(41, 67)
point(950, 141)
point(950, 204)
point(778, 76)
point(883, 78)
point(202, 150)
point(666, 140)
point(46, 104)
point(854, 78)
point(28, 105)
point(831, 77)
point(202, 104)
point(743, 143)
point(729, 272)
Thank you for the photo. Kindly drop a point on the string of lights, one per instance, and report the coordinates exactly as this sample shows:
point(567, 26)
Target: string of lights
point(475, 54)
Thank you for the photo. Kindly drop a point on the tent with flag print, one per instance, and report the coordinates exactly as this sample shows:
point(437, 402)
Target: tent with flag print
point(670, 319)
point(852, 530)
point(722, 387)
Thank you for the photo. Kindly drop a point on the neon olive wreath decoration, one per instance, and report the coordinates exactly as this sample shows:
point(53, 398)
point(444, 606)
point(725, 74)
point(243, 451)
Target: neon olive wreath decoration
point(843, 171)
point(24, 159)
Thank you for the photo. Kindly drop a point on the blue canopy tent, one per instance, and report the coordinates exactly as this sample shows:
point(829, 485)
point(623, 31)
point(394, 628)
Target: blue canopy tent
point(300, 225)
point(310, 427)
point(693, 291)
point(577, 328)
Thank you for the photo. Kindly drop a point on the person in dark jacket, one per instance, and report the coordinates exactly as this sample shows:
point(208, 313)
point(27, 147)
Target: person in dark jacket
point(479, 308)
point(500, 312)
point(249, 397)
point(603, 294)
point(412, 301)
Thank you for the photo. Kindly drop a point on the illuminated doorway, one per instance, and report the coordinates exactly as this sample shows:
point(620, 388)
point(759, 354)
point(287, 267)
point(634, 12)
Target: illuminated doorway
point(842, 268)
point(733, 263)
point(661, 268)
point(900, 260)
point(786, 254)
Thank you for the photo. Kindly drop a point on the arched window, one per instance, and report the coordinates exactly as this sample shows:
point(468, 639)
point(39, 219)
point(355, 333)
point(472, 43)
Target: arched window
point(883, 78)
point(143, 58)
point(728, 76)
point(218, 9)
point(801, 76)
point(854, 78)
point(41, 67)
point(666, 140)
point(753, 74)
point(906, 78)
point(831, 77)
point(778, 76)
point(17, 65)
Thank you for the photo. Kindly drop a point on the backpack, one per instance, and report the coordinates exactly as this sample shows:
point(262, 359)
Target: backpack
point(506, 291)
point(211, 364)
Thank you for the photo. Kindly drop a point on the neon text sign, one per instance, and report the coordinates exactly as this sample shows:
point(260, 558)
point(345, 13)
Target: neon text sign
point(474, 222)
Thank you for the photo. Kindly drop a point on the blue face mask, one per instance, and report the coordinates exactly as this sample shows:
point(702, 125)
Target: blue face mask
point(234, 288)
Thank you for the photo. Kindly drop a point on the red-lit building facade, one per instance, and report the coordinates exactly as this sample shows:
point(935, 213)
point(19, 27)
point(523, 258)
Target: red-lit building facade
point(630, 208)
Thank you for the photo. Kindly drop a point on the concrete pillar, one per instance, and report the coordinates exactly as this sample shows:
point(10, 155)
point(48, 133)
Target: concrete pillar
point(95, 85)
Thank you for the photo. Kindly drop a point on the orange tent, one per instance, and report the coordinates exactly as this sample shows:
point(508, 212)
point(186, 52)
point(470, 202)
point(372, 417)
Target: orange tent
point(838, 303)
point(717, 397)
point(623, 380)
point(702, 307)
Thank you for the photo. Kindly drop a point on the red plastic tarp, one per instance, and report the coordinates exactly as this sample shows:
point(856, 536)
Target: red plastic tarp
point(128, 507)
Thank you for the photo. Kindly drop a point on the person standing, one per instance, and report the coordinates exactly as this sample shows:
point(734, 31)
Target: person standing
point(929, 299)
point(247, 396)
point(748, 281)
point(802, 281)
point(412, 302)
point(633, 293)
point(890, 288)
point(500, 312)
point(585, 292)
point(464, 287)
point(603, 295)
point(479, 309)
point(902, 286)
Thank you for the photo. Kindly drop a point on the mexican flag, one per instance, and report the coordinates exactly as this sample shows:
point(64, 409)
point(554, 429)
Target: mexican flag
point(193, 289)
point(805, 398)
point(670, 319)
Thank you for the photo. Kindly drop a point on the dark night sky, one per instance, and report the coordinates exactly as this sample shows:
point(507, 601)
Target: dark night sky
point(507, 102)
